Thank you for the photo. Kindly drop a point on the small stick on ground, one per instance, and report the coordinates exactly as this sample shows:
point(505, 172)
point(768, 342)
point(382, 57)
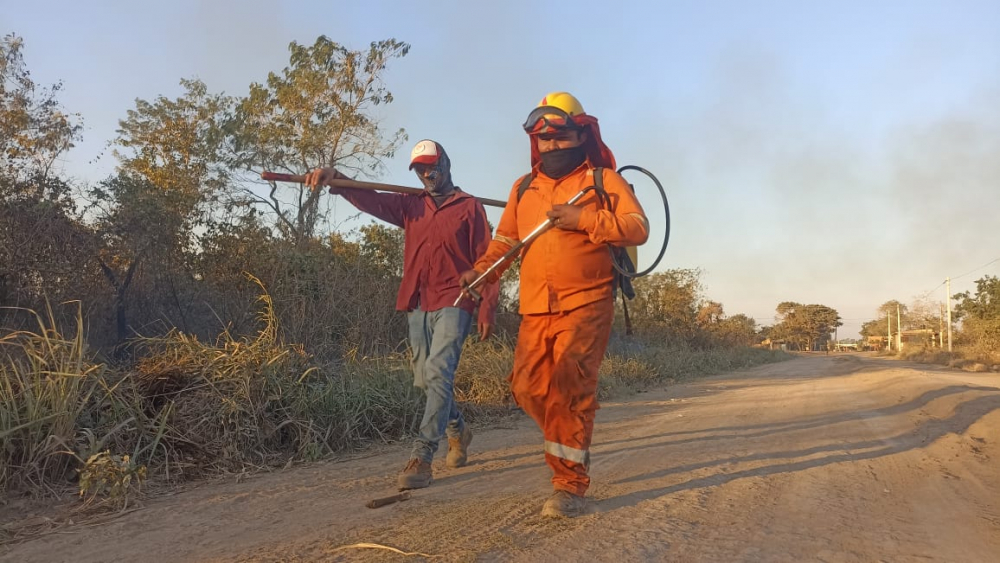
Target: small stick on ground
point(380, 502)
point(385, 547)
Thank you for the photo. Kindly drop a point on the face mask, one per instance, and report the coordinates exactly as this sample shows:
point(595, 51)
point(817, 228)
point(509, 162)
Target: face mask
point(560, 162)
point(436, 182)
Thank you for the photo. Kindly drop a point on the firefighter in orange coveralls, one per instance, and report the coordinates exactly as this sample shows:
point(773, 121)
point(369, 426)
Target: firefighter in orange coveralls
point(566, 294)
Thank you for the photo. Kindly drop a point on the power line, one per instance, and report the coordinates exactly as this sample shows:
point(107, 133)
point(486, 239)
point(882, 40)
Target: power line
point(935, 288)
point(975, 270)
point(930, 291)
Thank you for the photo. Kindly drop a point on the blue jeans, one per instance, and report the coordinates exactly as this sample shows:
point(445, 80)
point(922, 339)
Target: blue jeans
point(436, 343)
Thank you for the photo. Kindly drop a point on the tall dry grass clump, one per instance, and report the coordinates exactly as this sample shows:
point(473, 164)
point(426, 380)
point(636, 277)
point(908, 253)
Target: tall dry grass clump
point(966, 358)
point(186, 408)
point(257, 401)
point(47, 381)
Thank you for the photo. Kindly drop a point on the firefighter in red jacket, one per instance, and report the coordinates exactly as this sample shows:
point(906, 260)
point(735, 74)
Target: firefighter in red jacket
point(445, 230)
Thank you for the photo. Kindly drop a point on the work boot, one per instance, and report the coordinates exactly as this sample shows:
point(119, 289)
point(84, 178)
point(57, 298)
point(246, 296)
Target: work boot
point(416, 475)
point(564, 504)
point(458, 448)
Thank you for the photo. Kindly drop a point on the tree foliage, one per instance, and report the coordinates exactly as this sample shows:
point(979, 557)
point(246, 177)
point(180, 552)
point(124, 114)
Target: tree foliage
point(175, 148)
point(167, 241)
point(980, 314)
point(34, 129)
point(805, 325)
point(669, 301)
point(43, 247)
point(984, 304)
point(319, 111)
point(922, 314)
point(886, 314)
point(739, 330)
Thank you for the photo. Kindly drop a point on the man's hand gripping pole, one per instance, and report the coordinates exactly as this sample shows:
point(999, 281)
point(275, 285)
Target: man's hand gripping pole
point(470, 290)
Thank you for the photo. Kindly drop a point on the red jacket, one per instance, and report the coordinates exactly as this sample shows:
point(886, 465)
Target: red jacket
point(440, 244)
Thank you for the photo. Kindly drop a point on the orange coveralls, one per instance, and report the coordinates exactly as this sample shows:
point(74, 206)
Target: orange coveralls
point(567, 307)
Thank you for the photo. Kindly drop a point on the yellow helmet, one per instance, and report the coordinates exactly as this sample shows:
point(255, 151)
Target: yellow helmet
point(564, 101)
point(555, 111)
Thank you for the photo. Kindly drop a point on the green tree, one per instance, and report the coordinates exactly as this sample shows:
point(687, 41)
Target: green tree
point(886, 313)
point(875, 327)
point(923, 314)
point(668, 300)
point(806, 325)
point(983, 304)
point(44, 248)
point(317, 112)
point(34, 130)
point(140, 226)
point(766, 332)
point(382, 247)
point(175, 147)
point(168, 183)
point(890, 308)
point(739, 330)
point(980, 314)
point(710, 313)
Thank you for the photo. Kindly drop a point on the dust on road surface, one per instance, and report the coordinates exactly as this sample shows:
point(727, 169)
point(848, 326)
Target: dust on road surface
point(822, 458)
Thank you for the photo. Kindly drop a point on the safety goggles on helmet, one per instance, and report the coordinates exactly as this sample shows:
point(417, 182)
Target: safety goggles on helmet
point(548, 119)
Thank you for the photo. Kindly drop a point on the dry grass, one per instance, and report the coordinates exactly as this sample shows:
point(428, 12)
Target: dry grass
point(189, 408)
point(46, 385)
point(186, 409)
point(254, 402)
point(481, 379)
point(636, 364)
point(964, 358)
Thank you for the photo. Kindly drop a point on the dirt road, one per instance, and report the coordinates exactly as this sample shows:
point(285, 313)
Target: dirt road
point(823, 458)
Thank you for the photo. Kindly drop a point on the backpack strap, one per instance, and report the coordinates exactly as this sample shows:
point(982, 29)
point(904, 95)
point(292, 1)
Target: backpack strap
point(618, 254)
point(525, 182)
point(524, 185)
point(602, 196)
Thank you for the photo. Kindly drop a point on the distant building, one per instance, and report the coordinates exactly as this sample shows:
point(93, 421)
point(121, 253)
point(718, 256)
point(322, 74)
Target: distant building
point(875, 343)
point(920, 338)
point(775, 344)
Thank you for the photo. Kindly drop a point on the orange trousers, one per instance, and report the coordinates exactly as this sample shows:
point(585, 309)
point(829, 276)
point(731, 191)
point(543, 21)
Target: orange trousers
point(554, 380)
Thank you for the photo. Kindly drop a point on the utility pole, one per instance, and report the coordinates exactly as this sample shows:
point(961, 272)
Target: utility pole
point(899, 331)
point(941, 327)
point(888, 331)
point(947, 282)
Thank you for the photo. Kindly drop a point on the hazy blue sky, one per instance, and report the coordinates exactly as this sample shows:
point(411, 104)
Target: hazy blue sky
point(843, 153)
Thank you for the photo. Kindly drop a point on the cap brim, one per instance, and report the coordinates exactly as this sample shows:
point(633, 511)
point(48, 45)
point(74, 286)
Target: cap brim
point(424, 159)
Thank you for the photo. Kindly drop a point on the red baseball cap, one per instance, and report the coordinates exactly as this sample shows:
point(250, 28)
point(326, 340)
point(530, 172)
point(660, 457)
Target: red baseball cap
point(426, 152)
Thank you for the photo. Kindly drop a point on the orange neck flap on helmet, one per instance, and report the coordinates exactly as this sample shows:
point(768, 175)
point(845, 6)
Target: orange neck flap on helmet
point(598, 154)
